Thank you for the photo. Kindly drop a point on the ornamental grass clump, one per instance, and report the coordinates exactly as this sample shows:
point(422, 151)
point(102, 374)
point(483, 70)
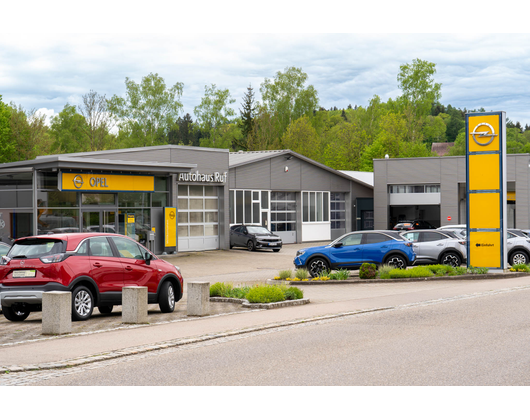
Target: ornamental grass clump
point(301, 274)
point(285, 274)
point(220, 289)
point(520, 268)
point(384, 271)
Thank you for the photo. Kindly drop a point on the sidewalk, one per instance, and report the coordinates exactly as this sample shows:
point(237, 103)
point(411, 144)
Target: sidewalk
point(326, 301)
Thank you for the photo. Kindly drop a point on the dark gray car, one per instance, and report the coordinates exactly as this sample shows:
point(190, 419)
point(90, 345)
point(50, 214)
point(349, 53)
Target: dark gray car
point(254, 237)
point(437, 247)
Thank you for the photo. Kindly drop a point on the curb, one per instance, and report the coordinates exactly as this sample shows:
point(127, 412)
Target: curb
point(5, 370)
point(246, 304)
point(403, 280)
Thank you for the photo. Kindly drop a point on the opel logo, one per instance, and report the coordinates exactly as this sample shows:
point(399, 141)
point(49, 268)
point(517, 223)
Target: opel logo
point(78, 181)
point(486, 133)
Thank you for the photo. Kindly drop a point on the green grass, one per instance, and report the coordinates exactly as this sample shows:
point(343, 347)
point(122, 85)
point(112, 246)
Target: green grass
point(387, 272)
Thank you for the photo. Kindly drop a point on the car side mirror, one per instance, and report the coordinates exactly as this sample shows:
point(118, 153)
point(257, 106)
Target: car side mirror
point(148, 258)
point(337, 245)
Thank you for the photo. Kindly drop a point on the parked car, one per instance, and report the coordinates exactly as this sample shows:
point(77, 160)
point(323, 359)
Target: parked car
point(94, 267)
point(254, 237)
point(4, 248)
point(518, 232)
point(353, 249)
point(437, 247)
point(518, 248)
point(460, 230)
point(414, 224)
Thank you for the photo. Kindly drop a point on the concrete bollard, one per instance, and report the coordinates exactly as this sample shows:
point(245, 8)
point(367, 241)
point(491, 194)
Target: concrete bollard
point(134, 305)
point(198, 298)
point(56, 313)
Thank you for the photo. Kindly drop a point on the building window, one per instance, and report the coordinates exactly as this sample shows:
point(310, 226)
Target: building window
point(248, 207)
point(414, 189)
point(315, 206)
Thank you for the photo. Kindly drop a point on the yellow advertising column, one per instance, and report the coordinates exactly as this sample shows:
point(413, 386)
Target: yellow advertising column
point(486, 189)
point(170, 227)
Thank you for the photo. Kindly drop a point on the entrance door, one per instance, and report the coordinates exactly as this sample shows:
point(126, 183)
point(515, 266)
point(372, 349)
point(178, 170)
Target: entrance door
point(99, 221)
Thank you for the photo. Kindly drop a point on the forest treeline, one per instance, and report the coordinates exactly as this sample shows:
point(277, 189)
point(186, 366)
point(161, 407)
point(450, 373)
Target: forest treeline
point(288, 116)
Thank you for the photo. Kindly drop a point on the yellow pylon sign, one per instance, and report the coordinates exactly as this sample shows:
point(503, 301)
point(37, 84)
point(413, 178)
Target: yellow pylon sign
point(486, 189)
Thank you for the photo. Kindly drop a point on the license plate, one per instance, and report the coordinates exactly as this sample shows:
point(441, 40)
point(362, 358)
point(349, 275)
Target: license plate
point(272, 244)
point(24, 273)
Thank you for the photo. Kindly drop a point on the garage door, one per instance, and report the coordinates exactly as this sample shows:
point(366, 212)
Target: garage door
point(198, 218)
point(283, 215)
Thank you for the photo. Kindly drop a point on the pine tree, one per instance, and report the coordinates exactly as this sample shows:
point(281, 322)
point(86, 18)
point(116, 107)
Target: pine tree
point(247, 114)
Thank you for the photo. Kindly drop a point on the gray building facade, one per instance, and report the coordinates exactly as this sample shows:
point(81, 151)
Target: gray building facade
point(434, 189)
point(132, 191)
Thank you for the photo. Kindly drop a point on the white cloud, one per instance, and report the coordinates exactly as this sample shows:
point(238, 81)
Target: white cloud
point(475, 70)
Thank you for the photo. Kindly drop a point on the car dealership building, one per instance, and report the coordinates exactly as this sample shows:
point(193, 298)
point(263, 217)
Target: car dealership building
point(434, 189)
point(181, 198)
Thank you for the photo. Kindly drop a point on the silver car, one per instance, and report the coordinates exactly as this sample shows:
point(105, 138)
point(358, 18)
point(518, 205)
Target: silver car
point(437, 247)
point(518, 248)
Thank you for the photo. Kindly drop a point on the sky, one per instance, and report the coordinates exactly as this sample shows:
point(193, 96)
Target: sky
point(53, 59)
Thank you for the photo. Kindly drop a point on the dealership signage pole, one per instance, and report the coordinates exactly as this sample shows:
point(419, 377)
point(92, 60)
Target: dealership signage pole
point(486, 189)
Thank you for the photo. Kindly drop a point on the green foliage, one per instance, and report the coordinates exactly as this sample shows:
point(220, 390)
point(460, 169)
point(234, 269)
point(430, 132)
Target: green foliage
point(384, 271)
point(368, 271)
point(261, 293)
point(301, 274)
point(477, 270)
point(213, 113)
point(520, 267)
point(285, 274)
point(265, 294)
point(302, 138)
point(293, 293)
point(419, 271)
point(288, 97)
point(69, 131)
point(341, 274)
point(148, 111)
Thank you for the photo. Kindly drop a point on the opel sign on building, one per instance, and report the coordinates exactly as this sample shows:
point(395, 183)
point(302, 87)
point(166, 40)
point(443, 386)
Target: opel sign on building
point(486, 189)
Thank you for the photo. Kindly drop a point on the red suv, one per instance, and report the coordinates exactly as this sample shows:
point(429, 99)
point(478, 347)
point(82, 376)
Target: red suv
point(94, 267)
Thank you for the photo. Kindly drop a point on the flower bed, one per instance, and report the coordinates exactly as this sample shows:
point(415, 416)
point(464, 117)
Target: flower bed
point(261, 296)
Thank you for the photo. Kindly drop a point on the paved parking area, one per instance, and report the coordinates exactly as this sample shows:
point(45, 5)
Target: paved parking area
point(238, 266)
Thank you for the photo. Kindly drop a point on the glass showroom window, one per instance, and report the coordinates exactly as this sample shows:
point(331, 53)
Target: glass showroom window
point(198, 211)
point(315, 206)
point(16, 205)
point(246, 206)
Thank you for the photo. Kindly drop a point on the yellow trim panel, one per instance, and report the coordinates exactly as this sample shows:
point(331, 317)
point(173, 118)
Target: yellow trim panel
point(106, 182)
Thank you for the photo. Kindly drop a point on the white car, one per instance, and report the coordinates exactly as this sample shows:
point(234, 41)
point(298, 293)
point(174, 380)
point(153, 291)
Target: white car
point(518, 248)
point(437, 247)
point(459, 230)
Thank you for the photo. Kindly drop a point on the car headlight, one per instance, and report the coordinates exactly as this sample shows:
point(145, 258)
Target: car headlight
point(300, 252)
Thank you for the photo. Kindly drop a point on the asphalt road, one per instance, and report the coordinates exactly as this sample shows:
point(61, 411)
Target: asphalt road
point(480, 340)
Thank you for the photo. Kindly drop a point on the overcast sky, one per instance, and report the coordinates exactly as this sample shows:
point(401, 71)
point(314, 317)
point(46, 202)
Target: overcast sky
point(41, 70)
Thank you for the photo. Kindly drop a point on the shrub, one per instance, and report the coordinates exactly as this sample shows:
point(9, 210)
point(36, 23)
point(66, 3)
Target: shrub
point(384, 271)
point(460, 271)
point(238, 292)
point(368, 271)
point(285, 274)
point(441, 270)
point(220, 289)
point(265, 294)
point(520, 267)
point(477, 270)
point(293, 293)
point(398, 273)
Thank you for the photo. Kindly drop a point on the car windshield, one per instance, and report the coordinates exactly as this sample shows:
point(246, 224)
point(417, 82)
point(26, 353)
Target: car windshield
point(35, 248)
point(259, 230)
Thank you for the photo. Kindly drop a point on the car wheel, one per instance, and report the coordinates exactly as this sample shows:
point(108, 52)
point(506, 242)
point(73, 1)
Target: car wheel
point(316, 266)
point(105, 309)
point(451, 259)
point(167, 298)
point(15, 314)
point(519, 257)
point(276, 250)
point(250, 246)
point(82, 303)
point(397, 261)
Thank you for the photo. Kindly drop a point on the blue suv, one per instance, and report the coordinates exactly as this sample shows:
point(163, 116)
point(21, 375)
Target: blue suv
point(355, 248)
